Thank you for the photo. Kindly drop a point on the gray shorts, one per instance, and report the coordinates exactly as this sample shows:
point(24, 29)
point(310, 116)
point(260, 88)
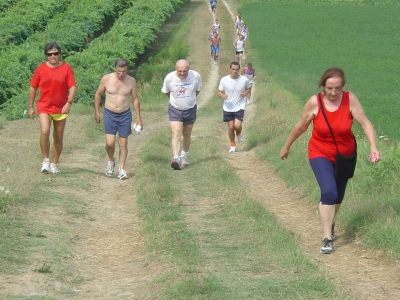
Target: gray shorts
point(187, 117)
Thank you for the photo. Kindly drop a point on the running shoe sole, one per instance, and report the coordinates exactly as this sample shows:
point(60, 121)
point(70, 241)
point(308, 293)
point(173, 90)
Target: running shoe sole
point(175, 165)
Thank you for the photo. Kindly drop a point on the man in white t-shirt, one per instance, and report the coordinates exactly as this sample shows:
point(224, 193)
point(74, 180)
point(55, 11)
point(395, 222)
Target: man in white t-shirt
point(233, 89)
point(181, 87)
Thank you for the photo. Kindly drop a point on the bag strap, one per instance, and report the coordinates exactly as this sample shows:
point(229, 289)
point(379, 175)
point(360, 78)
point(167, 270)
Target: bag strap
point(326, 120)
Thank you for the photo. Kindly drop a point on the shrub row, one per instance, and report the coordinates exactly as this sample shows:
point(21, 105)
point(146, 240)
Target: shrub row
point(128, 38)
point(4, 4)
point(27, 17)
point(73, 30)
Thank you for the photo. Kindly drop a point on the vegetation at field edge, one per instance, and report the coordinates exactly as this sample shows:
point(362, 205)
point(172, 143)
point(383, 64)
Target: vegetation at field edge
point(293, 49)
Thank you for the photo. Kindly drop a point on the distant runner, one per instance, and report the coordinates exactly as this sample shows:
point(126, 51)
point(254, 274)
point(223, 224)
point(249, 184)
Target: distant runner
point(213, 4)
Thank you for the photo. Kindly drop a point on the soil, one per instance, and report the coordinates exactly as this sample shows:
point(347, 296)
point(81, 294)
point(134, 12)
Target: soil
point(110, 260)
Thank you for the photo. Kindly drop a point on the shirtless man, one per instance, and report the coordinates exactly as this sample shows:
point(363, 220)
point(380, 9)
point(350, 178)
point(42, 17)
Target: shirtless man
point(117, 115)
point(215, 41)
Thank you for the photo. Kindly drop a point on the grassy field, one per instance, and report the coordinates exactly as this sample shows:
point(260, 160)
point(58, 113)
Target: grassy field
point(294, 45)
point(297, 42)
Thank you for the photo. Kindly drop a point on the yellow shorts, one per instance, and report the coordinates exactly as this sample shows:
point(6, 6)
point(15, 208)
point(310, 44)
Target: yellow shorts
point(58, 117)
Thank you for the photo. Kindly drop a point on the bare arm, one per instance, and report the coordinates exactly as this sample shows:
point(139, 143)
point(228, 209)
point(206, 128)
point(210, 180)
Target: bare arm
point(136, 104)
point(31, 98)
point(309, 112)
point(97, 98)
point(71, 96)
point(358, 114)
point(222, 95)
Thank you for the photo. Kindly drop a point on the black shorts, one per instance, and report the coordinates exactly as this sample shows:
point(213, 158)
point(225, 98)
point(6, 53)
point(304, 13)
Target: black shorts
point(239, 52)
point(231, 115)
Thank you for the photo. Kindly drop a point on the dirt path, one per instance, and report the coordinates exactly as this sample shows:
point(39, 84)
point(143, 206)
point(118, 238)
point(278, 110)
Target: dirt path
point(109, 259)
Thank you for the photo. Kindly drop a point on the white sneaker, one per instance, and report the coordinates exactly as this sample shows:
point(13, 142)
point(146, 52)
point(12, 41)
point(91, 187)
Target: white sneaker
point(45, 167)
point(248, 102)
point(232, 149)
point(110, 168)
point(122, 174)
point(184, 161)
point(240, 139)
point(54, 169)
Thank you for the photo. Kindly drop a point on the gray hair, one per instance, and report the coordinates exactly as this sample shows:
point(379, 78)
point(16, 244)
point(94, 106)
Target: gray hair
point(121, 62)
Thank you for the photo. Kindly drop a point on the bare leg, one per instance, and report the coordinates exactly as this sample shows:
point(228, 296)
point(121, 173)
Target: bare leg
point(176, 128)
point(58, 136)
point(237, 126)
point(327, 213)
point(231, 131)
point(123, 151)
point(44, 140)
point(110, 146)
point(249, 94)
point(187, 137)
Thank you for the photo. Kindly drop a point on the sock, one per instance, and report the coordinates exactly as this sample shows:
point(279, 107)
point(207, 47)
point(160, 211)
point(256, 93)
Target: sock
point(183, 153)
point(176, 156)
point(233, 144)
point(46, 160)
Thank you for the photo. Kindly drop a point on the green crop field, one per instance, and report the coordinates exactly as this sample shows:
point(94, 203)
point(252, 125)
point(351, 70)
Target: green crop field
point(297, 42)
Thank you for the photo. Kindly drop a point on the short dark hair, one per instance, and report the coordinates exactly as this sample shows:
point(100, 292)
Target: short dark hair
point(234, 63)
point(121, 62)
point(332, 72)
point(50, 46)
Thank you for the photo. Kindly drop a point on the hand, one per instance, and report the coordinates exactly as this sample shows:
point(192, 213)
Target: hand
point(66, 108)
point(375, 156)
point(32, 113)
point(284, 153)
point(226, 96)
point(139, 122)
point(97, 117)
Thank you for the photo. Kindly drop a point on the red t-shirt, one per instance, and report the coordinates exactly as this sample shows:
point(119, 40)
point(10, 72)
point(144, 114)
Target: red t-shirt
point(53, 84)
point(321, 143)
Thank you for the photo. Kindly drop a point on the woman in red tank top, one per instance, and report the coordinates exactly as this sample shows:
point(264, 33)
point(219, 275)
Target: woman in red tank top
point(341, 108)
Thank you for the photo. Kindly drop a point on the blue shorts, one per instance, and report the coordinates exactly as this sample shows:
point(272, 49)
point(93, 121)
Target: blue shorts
point(332, 190)
point(187, 117)
point(215, 49)
point(117, 122)
point(231, 115)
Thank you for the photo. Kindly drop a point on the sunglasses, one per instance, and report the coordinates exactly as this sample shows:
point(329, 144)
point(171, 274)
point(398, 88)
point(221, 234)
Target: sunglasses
point(54, 53)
